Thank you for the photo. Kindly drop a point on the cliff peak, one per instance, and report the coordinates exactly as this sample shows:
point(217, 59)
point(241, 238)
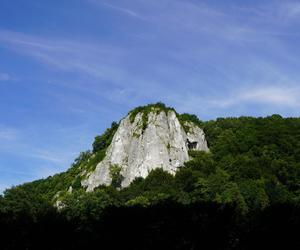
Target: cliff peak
point(149, 137)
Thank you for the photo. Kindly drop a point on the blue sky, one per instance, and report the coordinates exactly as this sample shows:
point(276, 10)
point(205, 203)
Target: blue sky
point(70, 68)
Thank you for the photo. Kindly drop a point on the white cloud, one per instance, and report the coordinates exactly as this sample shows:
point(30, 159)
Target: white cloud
point(271, 95)
point(280, 96)
point(268, 95)
point(265, 98)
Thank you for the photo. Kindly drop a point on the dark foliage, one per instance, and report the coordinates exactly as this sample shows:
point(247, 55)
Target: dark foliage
point(103, 141)
point(167, 225)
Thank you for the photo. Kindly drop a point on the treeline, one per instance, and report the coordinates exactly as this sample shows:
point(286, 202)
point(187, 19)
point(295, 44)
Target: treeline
point(245, 191)
point(166, 225)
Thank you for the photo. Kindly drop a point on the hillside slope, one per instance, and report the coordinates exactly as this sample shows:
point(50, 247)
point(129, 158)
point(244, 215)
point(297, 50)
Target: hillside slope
point(254, 162)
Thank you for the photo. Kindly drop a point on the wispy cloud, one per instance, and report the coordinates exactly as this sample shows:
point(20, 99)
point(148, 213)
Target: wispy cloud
point(280, 96)
point(271, 95)
point(183, 42)
point(124, 10)
point(66, 55)
point(47, 155)
point(117, 7)
point(268, 97)
point(288, 10)
point(8, 134)
point(276, 13)
point(4, 77)
point(15, 172)
point(18, 140)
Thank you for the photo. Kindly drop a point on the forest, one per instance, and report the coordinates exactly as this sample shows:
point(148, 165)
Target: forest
point(243, 194)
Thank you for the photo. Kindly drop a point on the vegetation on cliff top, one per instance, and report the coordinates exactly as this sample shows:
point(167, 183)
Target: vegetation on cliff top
point(145, 110)
point(161, 107)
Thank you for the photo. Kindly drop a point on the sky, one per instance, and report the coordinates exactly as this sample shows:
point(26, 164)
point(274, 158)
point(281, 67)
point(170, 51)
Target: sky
point(70, 68)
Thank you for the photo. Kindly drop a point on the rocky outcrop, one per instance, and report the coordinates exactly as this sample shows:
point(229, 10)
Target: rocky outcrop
point(137, 149)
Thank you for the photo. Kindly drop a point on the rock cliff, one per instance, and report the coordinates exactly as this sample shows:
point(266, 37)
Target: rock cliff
point(145, 142)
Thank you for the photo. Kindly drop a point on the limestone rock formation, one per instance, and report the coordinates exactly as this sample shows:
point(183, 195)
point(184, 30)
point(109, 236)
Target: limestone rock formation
point(137, 149)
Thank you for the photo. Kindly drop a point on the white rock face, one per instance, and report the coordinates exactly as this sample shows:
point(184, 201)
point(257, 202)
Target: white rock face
point(163, 144)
